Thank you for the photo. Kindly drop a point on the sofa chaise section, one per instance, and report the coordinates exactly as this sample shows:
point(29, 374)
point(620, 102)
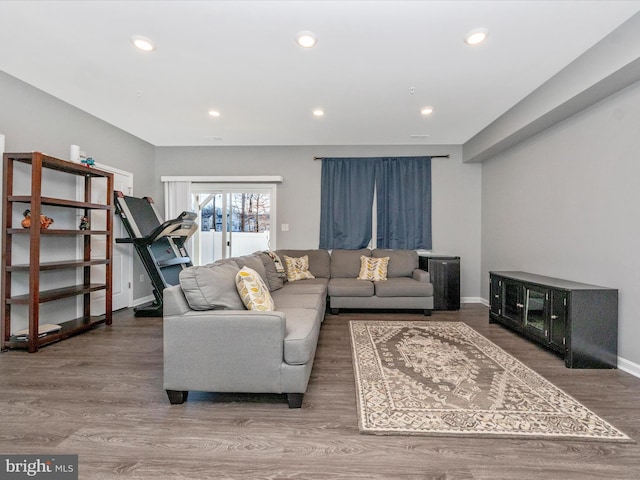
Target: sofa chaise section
point(239, 350)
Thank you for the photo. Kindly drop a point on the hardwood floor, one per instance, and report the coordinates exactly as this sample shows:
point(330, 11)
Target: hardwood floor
point(99, 395)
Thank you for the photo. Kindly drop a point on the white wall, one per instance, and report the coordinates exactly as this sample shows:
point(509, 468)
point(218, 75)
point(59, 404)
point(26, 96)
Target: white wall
point(565, 204)
point(456, 191)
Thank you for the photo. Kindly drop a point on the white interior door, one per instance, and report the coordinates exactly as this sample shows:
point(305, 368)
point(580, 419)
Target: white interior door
point(122, 257)
point(122, 252)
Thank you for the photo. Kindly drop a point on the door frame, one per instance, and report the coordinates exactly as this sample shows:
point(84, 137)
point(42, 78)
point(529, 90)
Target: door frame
point(197, 180)
point(129, 255)
point(233, 187)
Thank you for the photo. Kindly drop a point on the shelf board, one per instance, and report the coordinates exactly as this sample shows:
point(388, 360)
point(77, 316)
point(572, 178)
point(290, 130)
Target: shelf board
point(69, 328)
point(58, 265)
point(59, 202)
point(58, 293)
point(58, 164)
point(59, 232)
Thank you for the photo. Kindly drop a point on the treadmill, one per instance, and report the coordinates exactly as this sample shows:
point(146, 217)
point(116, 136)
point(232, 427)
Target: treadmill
point(160, 245)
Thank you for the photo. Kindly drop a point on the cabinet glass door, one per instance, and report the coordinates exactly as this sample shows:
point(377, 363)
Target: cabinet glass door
point(512, 301)
point(535, 312)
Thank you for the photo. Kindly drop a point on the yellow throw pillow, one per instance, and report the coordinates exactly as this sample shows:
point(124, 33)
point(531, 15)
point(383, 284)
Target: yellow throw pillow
point(253, 291)
point(374, 269)
point(297, 268)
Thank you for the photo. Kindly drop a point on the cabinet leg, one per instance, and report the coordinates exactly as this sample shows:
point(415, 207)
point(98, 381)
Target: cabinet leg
point(176, 397)
point(335, 311)
point(427, 312)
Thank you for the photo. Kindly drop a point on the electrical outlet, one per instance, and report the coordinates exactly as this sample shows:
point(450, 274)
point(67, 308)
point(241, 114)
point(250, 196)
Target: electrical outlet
point(142, 277)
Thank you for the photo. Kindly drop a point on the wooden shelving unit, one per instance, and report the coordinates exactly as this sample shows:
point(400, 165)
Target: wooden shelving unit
point(30, 271)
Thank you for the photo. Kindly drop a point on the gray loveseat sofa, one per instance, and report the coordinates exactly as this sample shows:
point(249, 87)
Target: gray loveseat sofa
point(213, 343)
point(406, 285)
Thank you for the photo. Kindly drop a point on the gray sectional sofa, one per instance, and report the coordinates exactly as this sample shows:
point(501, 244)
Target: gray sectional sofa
point(213, 343)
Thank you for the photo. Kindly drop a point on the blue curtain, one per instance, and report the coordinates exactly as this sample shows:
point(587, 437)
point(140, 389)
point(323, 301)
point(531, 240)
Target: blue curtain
point(403, 191)
point(346, 202)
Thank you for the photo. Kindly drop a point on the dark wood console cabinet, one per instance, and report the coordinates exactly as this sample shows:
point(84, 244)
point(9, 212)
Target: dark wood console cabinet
point(577, 320)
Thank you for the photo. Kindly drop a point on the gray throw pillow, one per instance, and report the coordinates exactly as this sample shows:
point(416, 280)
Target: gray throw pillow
point(252, 261)
point(211, 287)
point(274, 280)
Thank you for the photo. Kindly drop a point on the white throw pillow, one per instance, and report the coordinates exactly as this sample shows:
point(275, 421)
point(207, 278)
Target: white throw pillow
point(253, 291)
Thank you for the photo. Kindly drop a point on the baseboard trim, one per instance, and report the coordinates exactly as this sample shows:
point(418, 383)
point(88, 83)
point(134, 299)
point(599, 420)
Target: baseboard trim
point(629, 367)
point(144, 300)
point(474, 300)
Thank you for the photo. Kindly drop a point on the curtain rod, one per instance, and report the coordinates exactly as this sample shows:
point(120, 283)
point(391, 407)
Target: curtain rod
point(431, 156)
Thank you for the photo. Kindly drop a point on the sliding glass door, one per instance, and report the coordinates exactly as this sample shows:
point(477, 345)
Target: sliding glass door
point(234, 220)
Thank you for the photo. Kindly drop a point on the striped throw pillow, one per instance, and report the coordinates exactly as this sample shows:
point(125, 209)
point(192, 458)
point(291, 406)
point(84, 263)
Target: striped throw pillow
point(374, 269)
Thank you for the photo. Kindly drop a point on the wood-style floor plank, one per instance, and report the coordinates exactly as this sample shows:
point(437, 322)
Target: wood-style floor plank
point(99, 395)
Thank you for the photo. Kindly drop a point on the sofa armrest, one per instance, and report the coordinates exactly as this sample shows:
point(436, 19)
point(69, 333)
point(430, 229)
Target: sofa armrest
point(223, 350)
point(421, 275)
point(174, 301)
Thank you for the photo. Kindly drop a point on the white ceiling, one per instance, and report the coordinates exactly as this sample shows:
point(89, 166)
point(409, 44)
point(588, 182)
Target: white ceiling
point(240, 57)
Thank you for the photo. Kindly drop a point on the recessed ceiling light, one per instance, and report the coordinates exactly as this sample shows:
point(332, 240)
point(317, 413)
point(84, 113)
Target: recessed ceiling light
point(143, 43)
point(214, 113)
point(306, 39)
point(474, 37)
point(426, 111)
point(318, 112)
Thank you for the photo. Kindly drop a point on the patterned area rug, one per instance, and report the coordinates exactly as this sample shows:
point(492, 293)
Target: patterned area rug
point(444, 378)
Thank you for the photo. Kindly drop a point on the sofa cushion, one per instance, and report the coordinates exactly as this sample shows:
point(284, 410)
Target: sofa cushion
point(211, 287)
point(402, 263)
point(274, 279)
point(254, 262)
point(350, 287)
point(312, 285)
point(226, 261)
point(374, 269)
point(297, 268)
point(253, 291)
point(286, 300)
point(403, 287)
point(346, 263)
point(301, 335)
point(319, 261)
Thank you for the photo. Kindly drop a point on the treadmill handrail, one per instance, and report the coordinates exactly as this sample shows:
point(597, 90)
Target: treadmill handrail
point(183, 225)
